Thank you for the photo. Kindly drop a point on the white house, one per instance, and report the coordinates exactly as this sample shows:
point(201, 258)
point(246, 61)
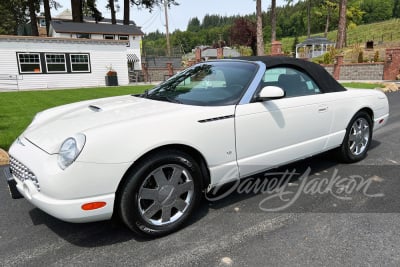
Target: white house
point(35, 62)
point(103, 31)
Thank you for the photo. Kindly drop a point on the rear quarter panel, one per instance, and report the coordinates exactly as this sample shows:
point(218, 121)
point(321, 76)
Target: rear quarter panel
point(346, 104)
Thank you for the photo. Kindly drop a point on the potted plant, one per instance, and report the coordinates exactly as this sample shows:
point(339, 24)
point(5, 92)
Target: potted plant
point(111, 77)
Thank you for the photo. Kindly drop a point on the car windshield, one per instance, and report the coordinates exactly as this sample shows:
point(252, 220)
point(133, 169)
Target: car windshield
point(207, 84)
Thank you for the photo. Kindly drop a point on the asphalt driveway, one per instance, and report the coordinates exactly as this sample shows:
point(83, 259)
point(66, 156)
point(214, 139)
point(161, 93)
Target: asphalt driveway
point(354, 222)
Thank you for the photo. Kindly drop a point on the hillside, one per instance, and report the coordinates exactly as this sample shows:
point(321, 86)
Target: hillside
point(384, 34)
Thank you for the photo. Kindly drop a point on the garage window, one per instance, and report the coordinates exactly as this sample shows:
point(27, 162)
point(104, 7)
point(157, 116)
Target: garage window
point(29, 62)
point(108, 36)
point(55, 63)
point(80, 62)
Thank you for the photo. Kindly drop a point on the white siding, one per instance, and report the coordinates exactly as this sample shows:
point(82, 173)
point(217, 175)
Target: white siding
point(134, 48)
point(97, 36)
point(101, 55)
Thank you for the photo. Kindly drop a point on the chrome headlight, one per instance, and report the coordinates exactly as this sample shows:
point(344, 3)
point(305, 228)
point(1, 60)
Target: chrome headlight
point(70, 150)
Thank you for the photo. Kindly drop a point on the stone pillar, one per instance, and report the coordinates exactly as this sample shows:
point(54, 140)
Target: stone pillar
point(392, 64)
point(276, 48)
point(198, 54)
point(170, 69)
point(337, 65)
point(220, 53)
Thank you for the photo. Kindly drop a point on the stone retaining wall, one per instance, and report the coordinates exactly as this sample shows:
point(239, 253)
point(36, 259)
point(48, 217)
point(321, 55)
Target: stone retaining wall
point(362, 71)
point(160, 74)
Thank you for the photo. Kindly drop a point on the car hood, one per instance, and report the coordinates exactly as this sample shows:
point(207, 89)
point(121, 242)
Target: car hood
point(51, 127)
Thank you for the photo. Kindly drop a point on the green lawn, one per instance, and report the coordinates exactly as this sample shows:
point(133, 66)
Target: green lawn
point(363, 85)
point(17, 109)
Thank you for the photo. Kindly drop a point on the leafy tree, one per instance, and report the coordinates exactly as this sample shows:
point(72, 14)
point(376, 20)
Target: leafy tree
point(193, 25)
point(186, 40)
point(147, 4)
point(377, 10)
point(396, 9)
point(243, 32)
point(12, 15)
point(85, 7)
point(210, 21)
point(354, 14)
point(153, 36)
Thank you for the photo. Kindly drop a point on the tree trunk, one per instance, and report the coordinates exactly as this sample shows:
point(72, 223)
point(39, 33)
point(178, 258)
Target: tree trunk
point(127, 6)
point(341, 35)
point(32, 15)
point(308, 19)
point(328, 18)
point(77, 14)
point(112, 9)
point(260, 39)
point(273, 20)
point(47, 15)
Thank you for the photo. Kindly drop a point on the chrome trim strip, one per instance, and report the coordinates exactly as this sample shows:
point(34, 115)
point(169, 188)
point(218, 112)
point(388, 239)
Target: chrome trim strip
point(217, 118)
point(95, 108)
point(254, 84)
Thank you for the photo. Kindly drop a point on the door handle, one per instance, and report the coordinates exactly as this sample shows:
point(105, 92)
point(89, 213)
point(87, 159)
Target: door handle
point(323, 108)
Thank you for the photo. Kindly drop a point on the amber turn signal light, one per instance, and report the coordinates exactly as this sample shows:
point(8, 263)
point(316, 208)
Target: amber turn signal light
point(93, 205)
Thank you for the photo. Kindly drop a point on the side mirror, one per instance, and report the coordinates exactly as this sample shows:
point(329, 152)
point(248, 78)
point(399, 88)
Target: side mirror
point(270, 92)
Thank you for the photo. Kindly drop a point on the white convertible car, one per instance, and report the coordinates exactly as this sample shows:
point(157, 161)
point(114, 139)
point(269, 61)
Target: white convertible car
point(148, 158)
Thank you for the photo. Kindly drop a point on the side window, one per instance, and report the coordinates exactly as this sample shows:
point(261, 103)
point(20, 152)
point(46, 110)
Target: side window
point(294, 82)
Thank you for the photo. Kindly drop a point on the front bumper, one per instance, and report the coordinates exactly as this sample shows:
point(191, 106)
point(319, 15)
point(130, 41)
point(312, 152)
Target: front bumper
point(61, 193)
point(66, 210)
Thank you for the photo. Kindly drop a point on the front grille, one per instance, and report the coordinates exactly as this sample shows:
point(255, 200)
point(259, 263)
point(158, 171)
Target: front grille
point(22, 173)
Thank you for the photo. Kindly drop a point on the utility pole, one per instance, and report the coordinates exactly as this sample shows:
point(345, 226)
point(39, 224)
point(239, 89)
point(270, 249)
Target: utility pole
point(166, 27)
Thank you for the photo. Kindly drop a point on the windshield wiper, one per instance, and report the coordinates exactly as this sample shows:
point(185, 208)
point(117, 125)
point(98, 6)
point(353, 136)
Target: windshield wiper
point(145, 94)
point(164, 98)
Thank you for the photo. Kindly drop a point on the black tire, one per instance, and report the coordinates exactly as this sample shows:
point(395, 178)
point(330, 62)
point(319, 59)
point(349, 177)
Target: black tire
point(168, 182)
point(357, 139)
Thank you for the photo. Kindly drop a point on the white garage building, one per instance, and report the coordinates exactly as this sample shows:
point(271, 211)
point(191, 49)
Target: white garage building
point(36, 62)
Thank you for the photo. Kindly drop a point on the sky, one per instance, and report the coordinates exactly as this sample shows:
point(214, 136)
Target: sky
point(179, 16)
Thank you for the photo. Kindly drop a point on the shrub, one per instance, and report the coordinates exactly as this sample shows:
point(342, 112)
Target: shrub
point(361, 57)
point(376, 56)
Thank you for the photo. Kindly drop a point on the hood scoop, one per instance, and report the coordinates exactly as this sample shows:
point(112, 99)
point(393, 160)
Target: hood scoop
point(95, 108)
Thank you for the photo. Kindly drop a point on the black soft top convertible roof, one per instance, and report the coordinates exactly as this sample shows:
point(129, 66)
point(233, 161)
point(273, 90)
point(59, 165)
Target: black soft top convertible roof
point(325, 81)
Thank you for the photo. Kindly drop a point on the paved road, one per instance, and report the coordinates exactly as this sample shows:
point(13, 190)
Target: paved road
point(317, 229)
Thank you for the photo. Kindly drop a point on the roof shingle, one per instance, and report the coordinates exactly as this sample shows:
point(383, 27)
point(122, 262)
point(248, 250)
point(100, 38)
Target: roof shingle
point(93, 28)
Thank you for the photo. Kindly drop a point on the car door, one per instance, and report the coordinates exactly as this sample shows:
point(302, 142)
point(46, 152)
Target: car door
point(275, 132)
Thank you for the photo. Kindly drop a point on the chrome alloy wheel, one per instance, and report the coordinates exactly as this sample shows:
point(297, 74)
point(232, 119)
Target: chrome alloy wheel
point(165, 194)
point(359, 136)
